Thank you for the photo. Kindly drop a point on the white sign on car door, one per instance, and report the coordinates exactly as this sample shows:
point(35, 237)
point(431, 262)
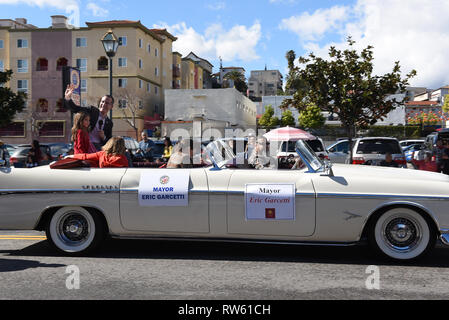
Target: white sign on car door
point(270, 201)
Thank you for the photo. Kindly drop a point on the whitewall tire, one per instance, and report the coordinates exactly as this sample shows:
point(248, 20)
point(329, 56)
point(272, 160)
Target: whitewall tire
point(402, 234)
point(75, 230)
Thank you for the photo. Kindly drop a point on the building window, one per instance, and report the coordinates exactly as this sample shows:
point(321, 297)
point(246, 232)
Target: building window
point(122, 83)
point(60, 106)
point(52, 129)
point(1, 44)
point(156, 52)
point(140, 84)
point(102, 64)
point(81, 64)
point(156, 89)
point(122, 103)
point(122, 62)
point(81, 42)
point(140, 43)
point(22, 43)
point(2, 66)
point(156, 71)
point(83, 85)
point(156, 109)
point(123, 41)
point(140, 104)
point(15, 129)
point(149, 48)
point(42, 105)
point(22, 66)
point(148, 87)
point(140, 64)
point(22, 86)
point(42, 64)
point(62, 62)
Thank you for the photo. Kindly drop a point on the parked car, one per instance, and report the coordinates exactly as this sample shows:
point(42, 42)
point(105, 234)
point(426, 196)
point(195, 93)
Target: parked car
point(11, 148)
point(19, 157)
point(401, 213)
point(374, 149)
point(59, 149)
point(410, 150)
point(339, 151)
point(406, 143)
point(287, 149)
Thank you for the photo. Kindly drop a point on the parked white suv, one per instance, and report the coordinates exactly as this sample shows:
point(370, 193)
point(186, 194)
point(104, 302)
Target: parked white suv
point(287, 148)
point(374, 149)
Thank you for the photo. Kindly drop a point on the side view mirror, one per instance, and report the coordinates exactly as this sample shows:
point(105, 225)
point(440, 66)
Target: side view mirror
point(328, 169)
point(2, 163)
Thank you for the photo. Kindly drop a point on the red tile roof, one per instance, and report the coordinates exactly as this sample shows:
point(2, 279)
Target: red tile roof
point(421, 103)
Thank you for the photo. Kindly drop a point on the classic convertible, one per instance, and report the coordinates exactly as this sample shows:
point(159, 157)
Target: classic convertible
point(401, 212)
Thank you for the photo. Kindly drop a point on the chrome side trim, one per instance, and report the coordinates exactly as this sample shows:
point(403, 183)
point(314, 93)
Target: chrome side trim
point(379, 196)
point(27, 191)
point(225, 240)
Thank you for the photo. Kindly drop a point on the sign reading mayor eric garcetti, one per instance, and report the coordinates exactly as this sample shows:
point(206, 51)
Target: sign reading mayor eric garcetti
point(270, 201)
point(164, 188)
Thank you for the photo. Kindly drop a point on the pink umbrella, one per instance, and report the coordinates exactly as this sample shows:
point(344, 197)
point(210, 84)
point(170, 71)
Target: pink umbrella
point(288, 134)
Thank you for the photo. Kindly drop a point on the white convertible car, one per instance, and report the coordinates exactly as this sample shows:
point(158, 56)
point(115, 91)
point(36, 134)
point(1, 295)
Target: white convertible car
point(402, 213)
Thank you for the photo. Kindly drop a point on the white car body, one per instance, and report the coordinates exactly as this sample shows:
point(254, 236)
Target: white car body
point(335, 206)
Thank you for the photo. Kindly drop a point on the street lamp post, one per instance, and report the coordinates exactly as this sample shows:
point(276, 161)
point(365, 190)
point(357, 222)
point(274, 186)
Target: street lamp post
point(110, 45)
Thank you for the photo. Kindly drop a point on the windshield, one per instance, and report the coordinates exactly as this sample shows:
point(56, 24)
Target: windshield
point(220, 152)
point(308, 156)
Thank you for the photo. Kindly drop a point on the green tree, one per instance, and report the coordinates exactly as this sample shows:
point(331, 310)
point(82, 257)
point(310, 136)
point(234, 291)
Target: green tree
point(446, 103)
point(239, 80)
point(10, 102)
point(268, 120)
point(311, 117)
point(345, 85)
point(287, 119)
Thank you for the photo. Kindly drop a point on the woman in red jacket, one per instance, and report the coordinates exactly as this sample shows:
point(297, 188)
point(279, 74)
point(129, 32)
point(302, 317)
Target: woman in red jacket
point(80, 134)
point(112, 156)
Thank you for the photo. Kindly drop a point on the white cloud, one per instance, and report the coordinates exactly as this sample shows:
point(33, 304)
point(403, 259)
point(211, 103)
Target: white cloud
point(416, 35)
point(314, 26)
point(237, 43)
point(96, 10)
point(216, 6)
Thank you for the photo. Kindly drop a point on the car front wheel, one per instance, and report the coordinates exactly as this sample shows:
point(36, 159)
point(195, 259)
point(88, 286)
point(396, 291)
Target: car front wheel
point(403, 234)
point(75, 230)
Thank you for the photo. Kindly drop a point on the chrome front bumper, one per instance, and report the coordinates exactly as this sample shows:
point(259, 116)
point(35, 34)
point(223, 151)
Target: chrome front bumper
point(444, 237)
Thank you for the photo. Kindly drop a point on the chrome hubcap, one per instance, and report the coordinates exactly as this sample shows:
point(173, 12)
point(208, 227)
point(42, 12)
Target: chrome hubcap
point(73, 229)
point(402, 234)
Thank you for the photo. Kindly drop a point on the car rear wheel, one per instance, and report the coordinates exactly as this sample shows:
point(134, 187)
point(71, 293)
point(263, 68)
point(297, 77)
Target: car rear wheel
point(403, 234)
point(75, 230)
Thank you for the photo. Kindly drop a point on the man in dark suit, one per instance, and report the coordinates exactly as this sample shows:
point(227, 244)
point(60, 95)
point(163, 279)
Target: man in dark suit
point(100, 124)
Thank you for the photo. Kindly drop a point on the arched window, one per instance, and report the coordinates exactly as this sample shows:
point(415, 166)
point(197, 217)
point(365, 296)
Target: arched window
point(42, 105)
point(103, 64)
point(42, 64)
point(62, 62)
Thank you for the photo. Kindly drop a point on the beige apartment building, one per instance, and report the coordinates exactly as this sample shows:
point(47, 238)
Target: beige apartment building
point(264, 83)
point(142, 70)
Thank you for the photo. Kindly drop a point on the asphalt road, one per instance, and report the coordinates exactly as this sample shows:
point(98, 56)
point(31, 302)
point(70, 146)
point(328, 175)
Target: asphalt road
point(134, 270)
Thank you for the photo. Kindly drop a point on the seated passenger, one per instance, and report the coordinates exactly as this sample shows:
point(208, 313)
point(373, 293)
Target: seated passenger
point(112, 156)
point(182, 156)
point(258, 158)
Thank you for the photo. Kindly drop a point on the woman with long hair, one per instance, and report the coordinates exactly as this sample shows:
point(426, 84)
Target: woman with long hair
point(80, 134)
point(112, 156)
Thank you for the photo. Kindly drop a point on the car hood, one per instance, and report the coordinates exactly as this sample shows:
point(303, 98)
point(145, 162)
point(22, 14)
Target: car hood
point(387, 173)
point(368, 180)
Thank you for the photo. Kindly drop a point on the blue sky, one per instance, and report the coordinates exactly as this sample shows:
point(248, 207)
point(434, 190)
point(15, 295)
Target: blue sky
point(255, 33)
